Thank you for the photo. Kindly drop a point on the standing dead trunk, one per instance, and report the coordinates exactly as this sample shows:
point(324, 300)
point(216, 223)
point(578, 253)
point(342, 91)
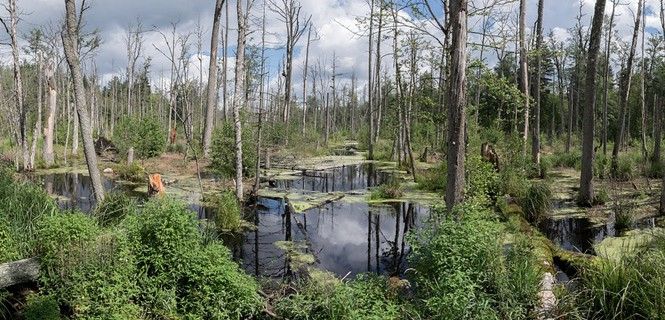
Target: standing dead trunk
point(586, 177)
point(304, 80)
point(457, 104)
point(212, 80)
point(606, 77)
point(535, 140)
point(38, 123)
point(70, 41)
point(524, 72)
point(370, 98)
point(624, 90)
point(18, 83)
point(645, 153)
point(52, 94)
point(239, 96)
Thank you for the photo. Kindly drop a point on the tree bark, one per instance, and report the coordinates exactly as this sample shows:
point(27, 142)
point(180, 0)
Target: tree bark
point(17, 272)
point(304, 80)
point(535, 140)
point(18, 83)
point(457, 105)
point(524, 72)
point(70, 41)
point(370, 87)
point(586, 177)
point(606, 77)
point(212, 80)
point(239, 96)
point(624, 90)
point(50, 120)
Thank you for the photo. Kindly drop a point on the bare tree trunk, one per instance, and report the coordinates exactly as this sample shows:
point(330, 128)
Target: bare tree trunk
point(50, 120)
point(524, 72)
point(624, 89)
point(239, 96)
point(70, 40)
point(645, 153)
point(457, 105)
point(304, 80)
point(658, 129)
point(535, 140)
point(370, 99)
point(606, 77)
point(18, 83)
point(212, 80)
point(38, 123)
point(586, 177)
point(377, 75)
point(225, 62)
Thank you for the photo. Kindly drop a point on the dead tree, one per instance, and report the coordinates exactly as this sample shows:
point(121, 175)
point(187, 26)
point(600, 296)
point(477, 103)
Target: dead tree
point(624, 90)
point(70, 40)
point(586, 176)
point(524, 72)
point(212, 80)
point(457, 104)
point(535, 139)
point(18, 83)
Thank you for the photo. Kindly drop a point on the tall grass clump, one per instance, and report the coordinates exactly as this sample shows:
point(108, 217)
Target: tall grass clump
point(629, 287)
point(115, 207)
point(391, 190)
point(366, 297)
point(433, 179)
point(91, 271)
point(22, 204)
point(537, 202)
point(179, 276)
point(229, 212)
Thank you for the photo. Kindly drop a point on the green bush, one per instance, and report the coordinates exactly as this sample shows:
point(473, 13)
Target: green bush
point(537, 202)
point(115, 207)
point(623, 216)
point(571, 159)
point(365, 297)
point(223, 155)
point(631, 287)
point(131, 172)
point(146, 135)
point(655, 170)
point(390, 190)
point(433, 179)
point(454, 264)
point(520, 283)
point(90, 270)
point(601, 196)
point(40, 307)
point(482, 185)
point(21, 206)
point(178, 275)
point(601, 166)
point(229, 211)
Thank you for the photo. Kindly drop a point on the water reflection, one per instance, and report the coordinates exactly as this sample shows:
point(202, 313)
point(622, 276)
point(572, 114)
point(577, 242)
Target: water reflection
point(344, 178)
point(74, 190)
point(344, 238)
point(580, 234)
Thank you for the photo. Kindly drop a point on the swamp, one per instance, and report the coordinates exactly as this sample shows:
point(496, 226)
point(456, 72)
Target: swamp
point(324, 160)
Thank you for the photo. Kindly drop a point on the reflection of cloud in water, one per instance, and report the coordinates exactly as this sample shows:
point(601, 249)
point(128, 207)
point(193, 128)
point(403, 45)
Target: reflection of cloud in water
point(342, 236)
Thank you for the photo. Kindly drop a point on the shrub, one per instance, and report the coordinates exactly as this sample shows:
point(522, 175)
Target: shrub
point(571, 159)
point(655, 170)
point(601, 196)
point(625, 170)
point(223, 159)
point(433, 179)
point(537, 202)
point(228, 216)
point(601, 166)
point(482, 183)
point(623, 216)
point(41, 307)
point(631, 287)
point(87, 269)
point(21, 206)
point(146, 135)
point(178, 275)
point(362, 298)
point(115, 207)
point(390, 190)
point(131, 172)
point(455, 263)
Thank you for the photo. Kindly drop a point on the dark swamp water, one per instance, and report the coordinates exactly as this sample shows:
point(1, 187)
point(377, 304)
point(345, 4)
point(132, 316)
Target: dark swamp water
point(345, 238)
point(580, 234)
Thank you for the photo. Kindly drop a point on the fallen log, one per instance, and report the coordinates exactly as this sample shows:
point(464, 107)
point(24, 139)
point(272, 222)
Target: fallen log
point(17, 272)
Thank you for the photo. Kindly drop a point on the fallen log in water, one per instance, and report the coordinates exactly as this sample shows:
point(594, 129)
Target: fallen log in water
point(17, 272)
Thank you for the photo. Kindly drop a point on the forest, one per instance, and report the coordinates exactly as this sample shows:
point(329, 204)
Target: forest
point(325, 159)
